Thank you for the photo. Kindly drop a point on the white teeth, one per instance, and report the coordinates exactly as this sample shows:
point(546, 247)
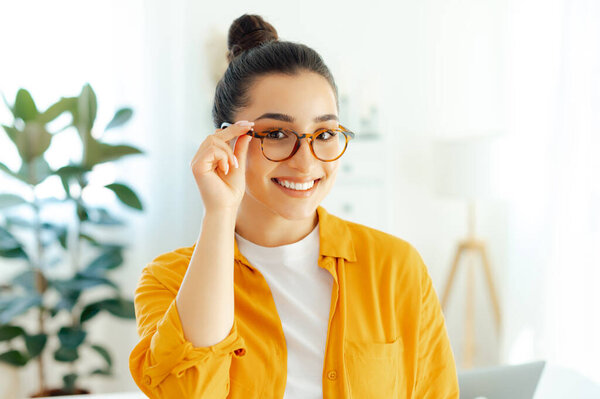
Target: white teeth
point(296, 186)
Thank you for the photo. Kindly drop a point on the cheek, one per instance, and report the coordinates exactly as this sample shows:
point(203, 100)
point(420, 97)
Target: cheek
point(254, 153)
point(257, 166)
point(331, 168)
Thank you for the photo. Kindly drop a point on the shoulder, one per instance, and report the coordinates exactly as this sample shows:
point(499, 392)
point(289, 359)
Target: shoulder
point(383, 253)
point(169, 268)
point(370, 241)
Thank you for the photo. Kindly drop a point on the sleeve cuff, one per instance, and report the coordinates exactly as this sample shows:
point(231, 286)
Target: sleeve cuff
point(171, 353)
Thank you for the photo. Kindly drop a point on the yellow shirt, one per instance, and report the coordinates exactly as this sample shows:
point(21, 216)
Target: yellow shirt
point(386, 337)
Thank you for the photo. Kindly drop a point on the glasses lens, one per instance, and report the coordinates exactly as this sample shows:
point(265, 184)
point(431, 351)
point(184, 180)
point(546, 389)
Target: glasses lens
point(329, 144)
point(278, 144)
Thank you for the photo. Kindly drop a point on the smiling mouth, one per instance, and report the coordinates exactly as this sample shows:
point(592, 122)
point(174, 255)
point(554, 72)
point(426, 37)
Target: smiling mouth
point(296, 186)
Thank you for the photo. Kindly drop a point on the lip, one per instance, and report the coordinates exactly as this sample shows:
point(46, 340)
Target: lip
point(295, 179)
point(296, 193)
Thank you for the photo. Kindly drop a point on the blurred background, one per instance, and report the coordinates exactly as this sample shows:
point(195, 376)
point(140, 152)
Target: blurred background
point(476, 122)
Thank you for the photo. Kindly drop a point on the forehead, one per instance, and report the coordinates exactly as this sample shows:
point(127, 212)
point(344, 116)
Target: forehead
point(304, 95)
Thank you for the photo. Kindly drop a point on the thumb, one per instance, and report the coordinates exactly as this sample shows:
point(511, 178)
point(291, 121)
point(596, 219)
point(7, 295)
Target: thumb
point(241, 150)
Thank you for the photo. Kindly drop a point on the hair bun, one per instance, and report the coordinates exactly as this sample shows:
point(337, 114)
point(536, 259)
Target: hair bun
point(246, 32)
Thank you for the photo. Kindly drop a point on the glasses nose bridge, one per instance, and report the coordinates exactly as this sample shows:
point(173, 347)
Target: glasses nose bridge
point(307, 139)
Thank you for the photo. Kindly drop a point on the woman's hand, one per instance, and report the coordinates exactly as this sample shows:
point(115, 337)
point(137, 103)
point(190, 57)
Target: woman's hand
point(221, 182)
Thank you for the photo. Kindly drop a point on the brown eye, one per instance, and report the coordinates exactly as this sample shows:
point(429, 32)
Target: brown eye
point(277, 134)
point(327, 135)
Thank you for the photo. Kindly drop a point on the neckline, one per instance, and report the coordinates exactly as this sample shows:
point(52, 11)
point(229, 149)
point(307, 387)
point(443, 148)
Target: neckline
point(304, 248)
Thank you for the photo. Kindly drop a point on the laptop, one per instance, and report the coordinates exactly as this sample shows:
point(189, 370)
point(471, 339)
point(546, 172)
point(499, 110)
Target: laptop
point(501, 382)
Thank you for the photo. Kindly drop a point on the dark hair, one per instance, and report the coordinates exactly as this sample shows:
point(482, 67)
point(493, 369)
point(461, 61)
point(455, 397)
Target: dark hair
point(254, 51)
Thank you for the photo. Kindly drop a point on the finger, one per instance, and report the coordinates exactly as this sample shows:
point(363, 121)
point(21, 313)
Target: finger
point(216, 158)
point(241, 150)
point(217, 142)
point(220, 161)
point(234, 130)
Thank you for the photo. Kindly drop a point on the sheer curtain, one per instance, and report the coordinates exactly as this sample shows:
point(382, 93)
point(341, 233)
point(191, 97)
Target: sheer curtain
point(554, 91)
point(573, 315)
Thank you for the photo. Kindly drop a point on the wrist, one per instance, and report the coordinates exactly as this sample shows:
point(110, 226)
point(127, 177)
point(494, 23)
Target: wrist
point(221, 215)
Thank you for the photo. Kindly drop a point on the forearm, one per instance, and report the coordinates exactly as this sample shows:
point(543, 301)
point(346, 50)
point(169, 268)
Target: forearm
point(205, 300)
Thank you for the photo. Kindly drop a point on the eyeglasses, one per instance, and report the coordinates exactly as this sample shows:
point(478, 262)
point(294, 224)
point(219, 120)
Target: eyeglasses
point(280, 144)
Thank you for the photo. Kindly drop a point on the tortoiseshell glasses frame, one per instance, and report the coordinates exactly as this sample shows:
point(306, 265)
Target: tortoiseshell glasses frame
point(348, 135)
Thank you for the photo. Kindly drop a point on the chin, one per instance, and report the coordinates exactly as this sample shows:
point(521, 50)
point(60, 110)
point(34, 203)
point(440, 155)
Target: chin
point(295, 212)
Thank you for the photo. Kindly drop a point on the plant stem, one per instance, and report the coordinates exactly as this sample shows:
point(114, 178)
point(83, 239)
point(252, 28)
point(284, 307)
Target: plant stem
point(74, 246)
point(75, 252)
point(40, 286)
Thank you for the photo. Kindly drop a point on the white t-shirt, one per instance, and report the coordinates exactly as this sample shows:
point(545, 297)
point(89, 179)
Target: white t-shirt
point(302, 294)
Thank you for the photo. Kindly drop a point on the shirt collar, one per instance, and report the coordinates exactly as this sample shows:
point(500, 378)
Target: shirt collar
point(335, 239)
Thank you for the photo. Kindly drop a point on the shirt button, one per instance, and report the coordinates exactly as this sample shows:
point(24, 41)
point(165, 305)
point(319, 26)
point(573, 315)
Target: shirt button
point(332, 375)
point(147, 380)
point(240, 352)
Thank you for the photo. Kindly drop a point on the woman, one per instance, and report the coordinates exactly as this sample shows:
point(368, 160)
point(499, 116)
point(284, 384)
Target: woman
point(277, 297)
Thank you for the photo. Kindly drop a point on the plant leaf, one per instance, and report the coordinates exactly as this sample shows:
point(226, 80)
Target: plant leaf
point(69, 382)
point(35, 171)
point(103, 217)
point(68, 172)
point(14, 358)
point(8, 171)
point(8, 332)
point(89, 311)
point(35, 344)
point(12, 133)
point(99, 152)
point(67, 301)
point(54, 111)
point(107, 260)
point(82, 212)
point(18, 306)
point(87, 106)
point(121, 117)
point(71, 171)
point(25, 280)
point(126, 195)
point(62, 238)
point(63, 354)
point(91, 280)
point(104, 353)
point(9, 246)
point(79, 282)
point(71, 337)
point(8, 200)
point(32, 141)
point(60, 232)
point(119, 307)
point(89, 238)
point(24, 107)
point(101, 372)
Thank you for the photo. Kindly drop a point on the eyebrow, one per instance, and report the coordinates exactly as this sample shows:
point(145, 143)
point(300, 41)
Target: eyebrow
point(291, 119)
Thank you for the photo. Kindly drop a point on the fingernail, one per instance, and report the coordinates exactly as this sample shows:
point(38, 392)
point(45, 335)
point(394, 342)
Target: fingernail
point(244, 123)
point(235, 161)
point(226, 169)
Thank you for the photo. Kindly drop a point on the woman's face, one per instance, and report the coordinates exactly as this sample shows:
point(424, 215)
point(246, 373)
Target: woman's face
point(304, 102)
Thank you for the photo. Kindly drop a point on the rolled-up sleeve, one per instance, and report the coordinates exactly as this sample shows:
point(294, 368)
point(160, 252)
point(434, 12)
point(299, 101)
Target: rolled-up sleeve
point(166, 365)
point(436, 368)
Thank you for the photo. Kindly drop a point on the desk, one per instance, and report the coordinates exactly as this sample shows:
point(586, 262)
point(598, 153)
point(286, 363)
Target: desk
point(555, 383)
point(114, 395)
point(559, 382)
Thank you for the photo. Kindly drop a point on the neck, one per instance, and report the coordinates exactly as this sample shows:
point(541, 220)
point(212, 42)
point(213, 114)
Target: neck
point(263, 226)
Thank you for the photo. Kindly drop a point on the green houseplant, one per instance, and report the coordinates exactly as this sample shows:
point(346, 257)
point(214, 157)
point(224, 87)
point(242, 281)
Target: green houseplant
point(35, 289)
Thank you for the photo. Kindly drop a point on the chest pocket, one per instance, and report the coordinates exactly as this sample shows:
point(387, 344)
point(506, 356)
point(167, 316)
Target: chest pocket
point(374, 369)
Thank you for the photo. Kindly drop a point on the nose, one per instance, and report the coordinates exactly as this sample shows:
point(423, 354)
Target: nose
point(303, 159)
